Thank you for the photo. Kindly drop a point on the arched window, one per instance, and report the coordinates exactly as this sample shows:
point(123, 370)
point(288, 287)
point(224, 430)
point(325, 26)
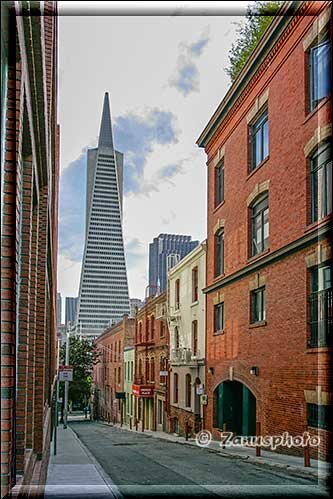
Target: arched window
point(152, 370)
point(176, 337)
point(140, 367)
point(188, 390)
point(175, 388)
point(259, 225)
point(195, 337)
point(321, 182)
point(219, 252)
point(152, 327)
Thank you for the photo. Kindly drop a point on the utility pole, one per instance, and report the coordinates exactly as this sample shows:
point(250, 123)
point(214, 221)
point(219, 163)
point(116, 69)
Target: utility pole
point(66, 382)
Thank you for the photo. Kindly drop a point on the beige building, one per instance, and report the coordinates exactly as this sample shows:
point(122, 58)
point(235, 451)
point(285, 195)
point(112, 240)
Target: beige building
point(186, 318)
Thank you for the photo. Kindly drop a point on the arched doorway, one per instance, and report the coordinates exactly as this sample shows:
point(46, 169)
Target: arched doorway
point(235, 406)
point(197, 405)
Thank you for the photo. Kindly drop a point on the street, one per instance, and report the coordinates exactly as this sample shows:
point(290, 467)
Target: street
point(144, 466)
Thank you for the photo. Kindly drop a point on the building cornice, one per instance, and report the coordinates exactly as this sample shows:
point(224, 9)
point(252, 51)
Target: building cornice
point(271, 258)
point(261, 56)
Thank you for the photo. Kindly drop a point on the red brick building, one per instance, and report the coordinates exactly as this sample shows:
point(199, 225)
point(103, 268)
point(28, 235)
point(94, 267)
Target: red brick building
point(269, 259)
point(150, 387)
point(109, 371)
point(29, 211)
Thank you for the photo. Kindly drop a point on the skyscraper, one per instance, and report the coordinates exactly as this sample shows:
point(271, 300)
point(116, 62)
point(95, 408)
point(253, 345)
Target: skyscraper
point(103, 295)
point(70, 309)
point(59, 309)
point(163, 246)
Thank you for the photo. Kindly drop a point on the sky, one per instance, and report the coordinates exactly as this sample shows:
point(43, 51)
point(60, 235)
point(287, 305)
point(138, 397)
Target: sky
point(165, 76)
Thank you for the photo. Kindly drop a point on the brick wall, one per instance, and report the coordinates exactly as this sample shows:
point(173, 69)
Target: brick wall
point(278, 347)
point(28, 248)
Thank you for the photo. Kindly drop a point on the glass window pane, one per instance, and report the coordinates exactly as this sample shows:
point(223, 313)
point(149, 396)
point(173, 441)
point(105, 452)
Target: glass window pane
point(328, 182)
point(258, 156)
point(265, 139)
point(266, 229)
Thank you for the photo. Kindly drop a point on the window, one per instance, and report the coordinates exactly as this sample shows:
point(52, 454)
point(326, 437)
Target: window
point(176, 337)
point(177, 289)
point(219, 317)
point(321, 182)
point(188, 390)
point(140, 332)
point(160, 412)
point(152, 370)
point(162, 329)
point(152, 325)
point(119, 374)
point(320, 307)
point(140, 367)
point(219, 248)
point(258, 310)
point(163, 367)
point(319, 71)
point(175, 388)
point(219, 183)
point(195, 337)
point(320, 416)
point(195, 284)
point(259, 225)
point(259, 140)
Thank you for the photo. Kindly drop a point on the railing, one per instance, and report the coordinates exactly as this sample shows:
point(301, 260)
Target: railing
point(321, 318)
point(184, 356)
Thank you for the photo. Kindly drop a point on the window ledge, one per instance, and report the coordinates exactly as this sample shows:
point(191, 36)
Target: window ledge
point(217, 207)
point(194, 303)
point(318, 223)
point(219, 333)
point(258, 256)
point(319, 349)
point(252, 172)
point(257, 324)
point(316, 109)
point(218, 277)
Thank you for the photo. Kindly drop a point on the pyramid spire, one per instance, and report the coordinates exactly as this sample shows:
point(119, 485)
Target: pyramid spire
point(105, 133)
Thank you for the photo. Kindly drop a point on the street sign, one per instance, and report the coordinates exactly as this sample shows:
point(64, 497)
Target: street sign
point(120, 395)
point(163, 373)
point(65, 373)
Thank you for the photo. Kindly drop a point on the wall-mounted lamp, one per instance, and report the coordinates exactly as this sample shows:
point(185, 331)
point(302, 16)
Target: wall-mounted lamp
point(211, 370)
point(254, 371)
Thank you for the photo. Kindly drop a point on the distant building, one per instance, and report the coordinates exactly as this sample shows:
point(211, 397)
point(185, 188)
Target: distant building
point(109, 375)
point(70, 310)
point(164, 252)
point(186, 318)
point(103, 294)
point(135, 302)
point(59, 309)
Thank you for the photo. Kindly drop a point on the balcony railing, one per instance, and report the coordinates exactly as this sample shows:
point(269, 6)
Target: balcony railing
point(321, 318)
point(185, 356)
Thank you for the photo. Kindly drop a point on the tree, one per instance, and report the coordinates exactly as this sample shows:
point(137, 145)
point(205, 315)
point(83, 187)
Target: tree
point(83, 356)
point(259, 16)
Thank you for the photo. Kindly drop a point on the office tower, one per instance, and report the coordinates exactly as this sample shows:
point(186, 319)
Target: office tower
point(59, 309)
point(135, 302)
point(70, 309)
point(103, 295)
point(159, 250)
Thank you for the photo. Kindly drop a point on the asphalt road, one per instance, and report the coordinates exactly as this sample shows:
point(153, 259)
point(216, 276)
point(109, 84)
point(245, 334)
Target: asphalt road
point(142, 466)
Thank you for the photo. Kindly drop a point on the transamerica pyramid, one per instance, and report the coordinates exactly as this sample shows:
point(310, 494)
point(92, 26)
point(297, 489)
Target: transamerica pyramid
point(103, 294)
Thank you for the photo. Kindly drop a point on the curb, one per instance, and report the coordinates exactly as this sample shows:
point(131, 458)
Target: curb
point(311, 474)
point(114, 490)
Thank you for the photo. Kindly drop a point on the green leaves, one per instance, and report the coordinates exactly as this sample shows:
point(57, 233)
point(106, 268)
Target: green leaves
point(82, 356)
point(250, 31)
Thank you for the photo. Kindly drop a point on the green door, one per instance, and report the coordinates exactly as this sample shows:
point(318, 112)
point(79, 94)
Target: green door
point(248, 412)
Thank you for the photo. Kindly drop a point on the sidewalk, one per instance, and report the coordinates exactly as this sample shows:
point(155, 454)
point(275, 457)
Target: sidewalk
point(74, 472)
point(294, 465)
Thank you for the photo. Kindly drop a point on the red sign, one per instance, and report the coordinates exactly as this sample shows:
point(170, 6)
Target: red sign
point(143, 390)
